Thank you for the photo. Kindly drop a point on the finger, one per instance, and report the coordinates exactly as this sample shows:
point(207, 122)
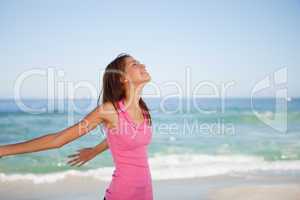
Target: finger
point(82, 163)
point(73, 155)
point(74, 158)
point(83, 149)
point(74, 161)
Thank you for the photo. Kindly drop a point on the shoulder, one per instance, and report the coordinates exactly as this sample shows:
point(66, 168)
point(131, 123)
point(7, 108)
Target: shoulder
point(107, 110)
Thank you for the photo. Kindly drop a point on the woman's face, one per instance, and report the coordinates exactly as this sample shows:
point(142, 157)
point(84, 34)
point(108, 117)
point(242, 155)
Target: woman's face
point(135, 72)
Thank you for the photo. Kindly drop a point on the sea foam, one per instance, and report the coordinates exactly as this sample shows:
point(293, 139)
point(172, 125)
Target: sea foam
point(172, 166)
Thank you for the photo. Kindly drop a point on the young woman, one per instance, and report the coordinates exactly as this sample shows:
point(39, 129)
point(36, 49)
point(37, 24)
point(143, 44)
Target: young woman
point(128, 126)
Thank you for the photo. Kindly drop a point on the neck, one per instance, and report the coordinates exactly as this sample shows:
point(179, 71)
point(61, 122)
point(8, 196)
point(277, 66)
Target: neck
point(133, 95)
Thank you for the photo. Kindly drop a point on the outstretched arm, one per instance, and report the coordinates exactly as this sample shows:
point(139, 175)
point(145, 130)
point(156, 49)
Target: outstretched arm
point(103, 146)
point(87, 154)
point(59, 139)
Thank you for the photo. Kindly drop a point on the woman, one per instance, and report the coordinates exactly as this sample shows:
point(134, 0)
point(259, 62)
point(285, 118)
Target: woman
point(127, 124)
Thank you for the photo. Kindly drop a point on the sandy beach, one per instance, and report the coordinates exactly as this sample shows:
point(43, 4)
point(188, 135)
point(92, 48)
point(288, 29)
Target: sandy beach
point(242, 187)
point(261, 192)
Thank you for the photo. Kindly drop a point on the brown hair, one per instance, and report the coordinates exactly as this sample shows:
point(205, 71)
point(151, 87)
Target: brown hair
point(113, 89)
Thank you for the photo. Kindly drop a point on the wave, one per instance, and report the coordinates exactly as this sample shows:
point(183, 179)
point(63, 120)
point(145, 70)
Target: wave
point(172, 166)
point(103, 173)
point(177, 166)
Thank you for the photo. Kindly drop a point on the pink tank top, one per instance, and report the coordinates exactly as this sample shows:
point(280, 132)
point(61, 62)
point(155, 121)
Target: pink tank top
point(128, 143)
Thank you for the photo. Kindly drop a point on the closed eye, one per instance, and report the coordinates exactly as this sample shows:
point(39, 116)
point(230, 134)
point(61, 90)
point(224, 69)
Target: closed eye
point(134, 64)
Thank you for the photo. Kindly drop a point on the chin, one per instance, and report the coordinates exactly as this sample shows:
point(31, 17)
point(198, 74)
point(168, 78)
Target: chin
point(146, 80)
point(146, 77)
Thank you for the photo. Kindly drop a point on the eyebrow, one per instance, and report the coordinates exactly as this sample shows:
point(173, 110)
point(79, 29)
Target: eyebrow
point(133, 61)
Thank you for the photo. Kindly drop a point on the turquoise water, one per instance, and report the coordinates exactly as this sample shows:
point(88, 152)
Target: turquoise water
point(232, 139)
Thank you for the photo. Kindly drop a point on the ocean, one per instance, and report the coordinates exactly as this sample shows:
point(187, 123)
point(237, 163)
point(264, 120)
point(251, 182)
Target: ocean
point(191, 138)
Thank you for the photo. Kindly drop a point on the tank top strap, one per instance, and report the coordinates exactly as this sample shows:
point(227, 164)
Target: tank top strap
point(124, 113)
point(122, 106)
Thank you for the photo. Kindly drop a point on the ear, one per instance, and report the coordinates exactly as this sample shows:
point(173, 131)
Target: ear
point(123, 80)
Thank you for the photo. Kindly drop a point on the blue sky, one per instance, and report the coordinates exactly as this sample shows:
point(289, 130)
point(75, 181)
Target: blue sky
point(220, 41)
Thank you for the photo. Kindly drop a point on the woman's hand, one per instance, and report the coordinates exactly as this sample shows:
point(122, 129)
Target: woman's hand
point(82, 157)
point(87, 154)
